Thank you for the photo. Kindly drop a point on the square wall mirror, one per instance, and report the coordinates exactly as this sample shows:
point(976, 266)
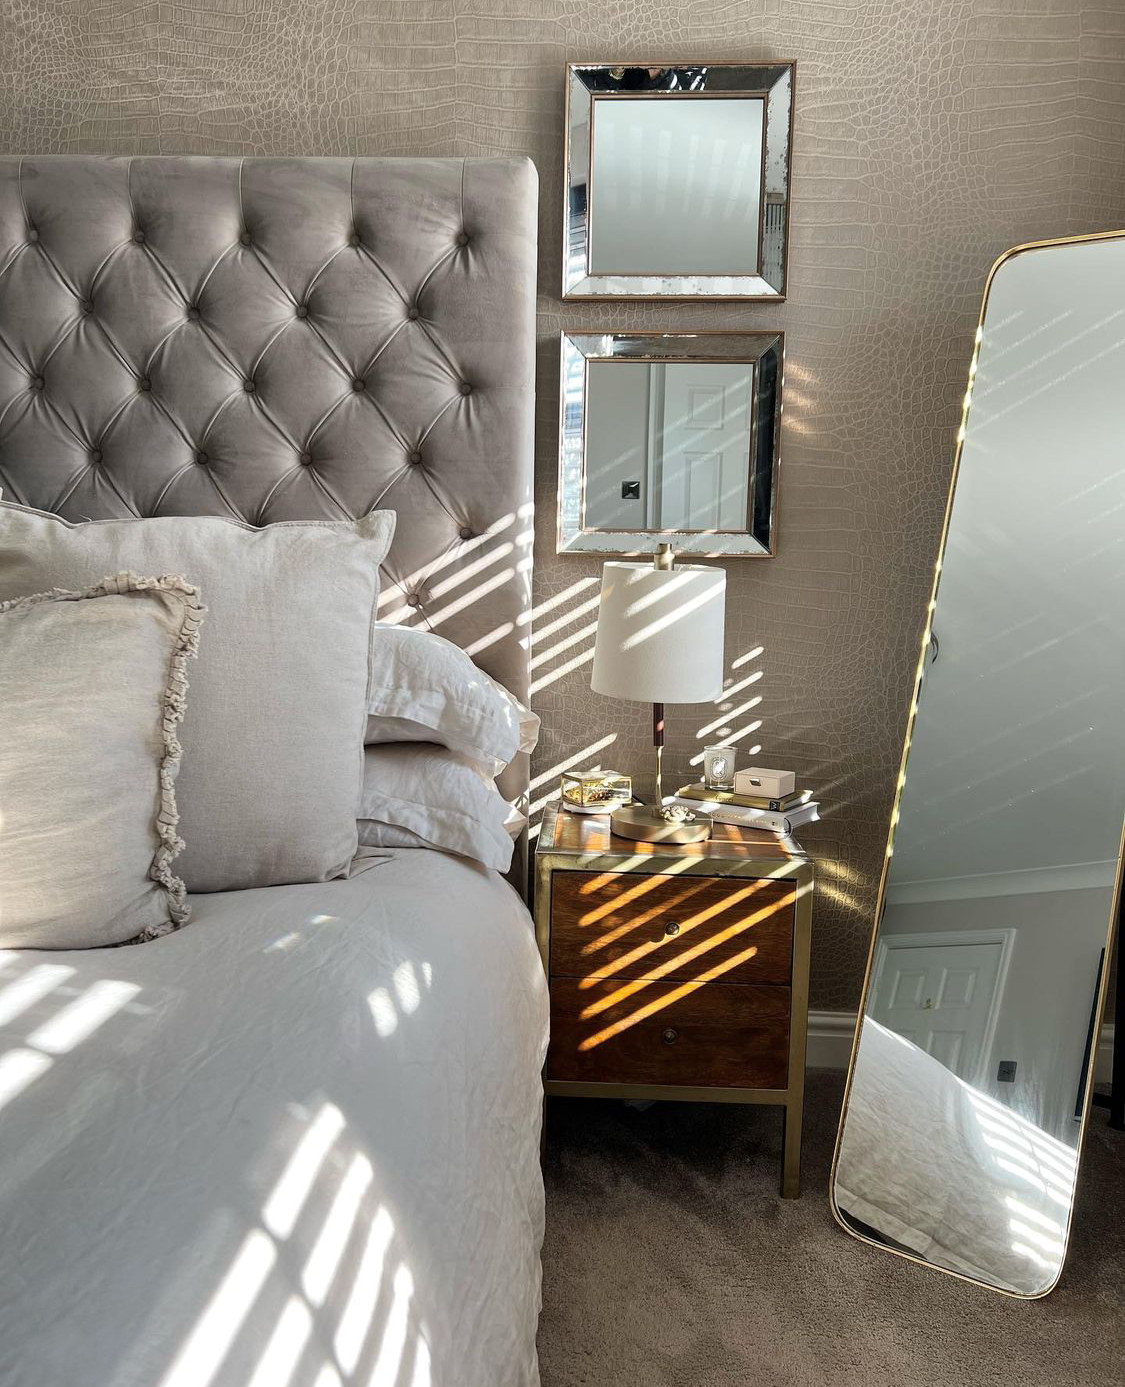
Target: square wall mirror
point(677, 181)
point(669, 437)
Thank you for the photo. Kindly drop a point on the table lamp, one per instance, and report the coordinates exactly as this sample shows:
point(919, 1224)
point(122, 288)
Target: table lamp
point(659, 640)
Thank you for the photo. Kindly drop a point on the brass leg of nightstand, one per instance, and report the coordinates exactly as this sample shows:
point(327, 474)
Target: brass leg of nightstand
point(791, 1116)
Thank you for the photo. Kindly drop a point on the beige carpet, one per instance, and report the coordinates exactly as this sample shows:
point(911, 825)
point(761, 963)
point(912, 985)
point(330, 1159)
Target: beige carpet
point(671, 1262)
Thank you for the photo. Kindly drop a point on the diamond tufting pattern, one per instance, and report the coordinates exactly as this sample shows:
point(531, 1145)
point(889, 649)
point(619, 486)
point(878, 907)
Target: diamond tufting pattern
point(280, 339)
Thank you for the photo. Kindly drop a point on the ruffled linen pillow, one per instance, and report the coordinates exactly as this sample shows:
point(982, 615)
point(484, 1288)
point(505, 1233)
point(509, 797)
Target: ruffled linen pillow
point(93, 688)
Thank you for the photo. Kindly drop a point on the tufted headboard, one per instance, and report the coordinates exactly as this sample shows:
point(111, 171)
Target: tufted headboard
point(279, 339)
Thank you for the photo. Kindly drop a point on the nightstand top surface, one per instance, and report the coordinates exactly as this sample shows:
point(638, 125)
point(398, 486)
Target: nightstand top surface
point(586, 836)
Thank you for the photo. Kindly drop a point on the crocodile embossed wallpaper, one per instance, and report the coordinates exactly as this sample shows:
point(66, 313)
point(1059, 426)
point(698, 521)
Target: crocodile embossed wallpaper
point(929, 138)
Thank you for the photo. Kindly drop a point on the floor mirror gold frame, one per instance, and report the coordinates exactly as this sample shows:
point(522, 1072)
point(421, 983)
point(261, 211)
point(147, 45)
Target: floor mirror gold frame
point(1103, 984)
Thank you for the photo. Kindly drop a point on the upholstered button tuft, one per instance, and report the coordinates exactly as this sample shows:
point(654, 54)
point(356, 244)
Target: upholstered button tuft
point(245, 238)
point(353, 239)
point(463, 239)
point(201, 458)
point(412, 313)
point(37, 382)
point(86, 306)
point(95, 456)
point(415, 456)
point(193, 312)
point(144, 383)
point(414, 599)
point(305, 459)
point(139, 236)
point(466, 388)
point(358, 385)
point(302, 310)
point(465, 532)
point(249, 386)
point(32, 234)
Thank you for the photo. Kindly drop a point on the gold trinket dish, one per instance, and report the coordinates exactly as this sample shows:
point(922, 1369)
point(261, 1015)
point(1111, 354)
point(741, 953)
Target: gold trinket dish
point(595, 792)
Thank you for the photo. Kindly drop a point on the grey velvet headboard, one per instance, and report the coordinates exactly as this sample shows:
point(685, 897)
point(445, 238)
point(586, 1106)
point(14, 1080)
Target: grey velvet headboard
point(281, 339)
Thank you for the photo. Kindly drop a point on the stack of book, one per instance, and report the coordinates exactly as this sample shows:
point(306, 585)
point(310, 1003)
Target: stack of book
point(779, 816)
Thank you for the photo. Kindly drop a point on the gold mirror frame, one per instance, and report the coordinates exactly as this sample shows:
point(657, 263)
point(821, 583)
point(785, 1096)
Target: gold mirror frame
point(1103, 985)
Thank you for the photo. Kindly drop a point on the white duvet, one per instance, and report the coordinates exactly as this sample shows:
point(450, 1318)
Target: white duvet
point(295, 1144)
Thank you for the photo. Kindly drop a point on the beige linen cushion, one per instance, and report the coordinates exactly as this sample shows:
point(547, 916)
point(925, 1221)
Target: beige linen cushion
point(273, 738)
point(92, 688)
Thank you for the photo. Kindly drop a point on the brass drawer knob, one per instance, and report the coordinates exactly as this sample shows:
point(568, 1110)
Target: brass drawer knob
point(670, 1036)
point(672, 928)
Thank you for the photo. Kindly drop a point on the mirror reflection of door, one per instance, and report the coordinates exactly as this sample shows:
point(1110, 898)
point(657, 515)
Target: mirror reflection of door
point(942, 995)
point(668, 446)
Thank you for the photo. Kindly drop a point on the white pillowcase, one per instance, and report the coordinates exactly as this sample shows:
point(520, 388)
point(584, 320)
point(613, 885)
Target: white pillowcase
point(273, 733)
point(92, 692)
point(419, 795)
point(426, 689)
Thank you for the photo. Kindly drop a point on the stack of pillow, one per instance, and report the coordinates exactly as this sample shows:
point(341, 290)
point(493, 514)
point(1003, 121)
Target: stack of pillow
point(128, 778)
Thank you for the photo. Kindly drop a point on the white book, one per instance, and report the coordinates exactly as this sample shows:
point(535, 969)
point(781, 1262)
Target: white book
point(744, 817)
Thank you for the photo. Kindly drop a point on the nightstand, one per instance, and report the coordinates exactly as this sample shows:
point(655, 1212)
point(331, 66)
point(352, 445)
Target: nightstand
point(676, 972)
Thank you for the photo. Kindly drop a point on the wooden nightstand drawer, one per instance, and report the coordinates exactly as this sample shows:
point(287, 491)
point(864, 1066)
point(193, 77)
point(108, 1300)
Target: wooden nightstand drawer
point(720, 1034)
point(671, 928)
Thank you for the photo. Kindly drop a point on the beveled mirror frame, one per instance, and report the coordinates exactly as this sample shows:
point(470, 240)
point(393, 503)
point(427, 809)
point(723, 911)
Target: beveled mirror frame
point(912, 717)
point(758, 349)
point(774, 83)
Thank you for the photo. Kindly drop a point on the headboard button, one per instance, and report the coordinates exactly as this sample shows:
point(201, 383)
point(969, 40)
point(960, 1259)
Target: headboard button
point(412, 313)
point(95, 456)
point(201, 458)
point(32, 234)
point(463, 239)
point(249, 386)
point(144, 383)
point(245, 238)
point(465, 532)
point(193, 312)
point(302, 310)
point(87, 306)
point(139, 236)
point(37, 382)
point(415, 457)
point(353, 239)
point(305, 459)
point(414, 599)
point(466, 388)
point(358, 385)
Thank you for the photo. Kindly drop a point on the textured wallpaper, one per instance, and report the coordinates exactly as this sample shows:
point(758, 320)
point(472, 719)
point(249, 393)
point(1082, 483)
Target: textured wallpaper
point(930, 136)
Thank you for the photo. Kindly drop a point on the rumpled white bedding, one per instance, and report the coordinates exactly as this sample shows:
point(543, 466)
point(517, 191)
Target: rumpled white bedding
point(295, 1144)
point(946, 1171)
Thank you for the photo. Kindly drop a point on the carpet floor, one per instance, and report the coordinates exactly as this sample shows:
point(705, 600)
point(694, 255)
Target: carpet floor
point(670, 1261)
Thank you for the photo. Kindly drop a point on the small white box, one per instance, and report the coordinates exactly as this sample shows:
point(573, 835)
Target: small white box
point(756, 780)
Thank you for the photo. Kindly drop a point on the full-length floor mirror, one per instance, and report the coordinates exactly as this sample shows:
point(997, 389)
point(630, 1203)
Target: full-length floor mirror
point(970, 1081)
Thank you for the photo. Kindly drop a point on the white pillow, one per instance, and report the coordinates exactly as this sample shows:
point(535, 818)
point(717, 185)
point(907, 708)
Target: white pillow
point(92, 691)
point(426, 689)
point(421, 795)
point(273, 736)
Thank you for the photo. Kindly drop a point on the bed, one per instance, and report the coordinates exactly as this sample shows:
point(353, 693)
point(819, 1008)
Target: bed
point(295, 1142)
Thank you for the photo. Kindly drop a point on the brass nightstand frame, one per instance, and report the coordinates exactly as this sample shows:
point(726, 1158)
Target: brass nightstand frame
point(678, 863)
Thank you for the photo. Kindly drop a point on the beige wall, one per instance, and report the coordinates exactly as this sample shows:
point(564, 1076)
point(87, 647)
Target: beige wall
point(931, 135)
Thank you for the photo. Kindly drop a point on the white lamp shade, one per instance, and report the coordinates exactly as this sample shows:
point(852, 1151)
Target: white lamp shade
point(660, 633)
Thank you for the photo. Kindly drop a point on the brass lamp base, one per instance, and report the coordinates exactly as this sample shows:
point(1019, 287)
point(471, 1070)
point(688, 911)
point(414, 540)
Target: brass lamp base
point(644, 824)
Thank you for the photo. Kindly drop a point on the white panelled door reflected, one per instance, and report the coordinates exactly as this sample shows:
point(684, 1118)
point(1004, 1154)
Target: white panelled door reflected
point(705, 417)
point(941, 997)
